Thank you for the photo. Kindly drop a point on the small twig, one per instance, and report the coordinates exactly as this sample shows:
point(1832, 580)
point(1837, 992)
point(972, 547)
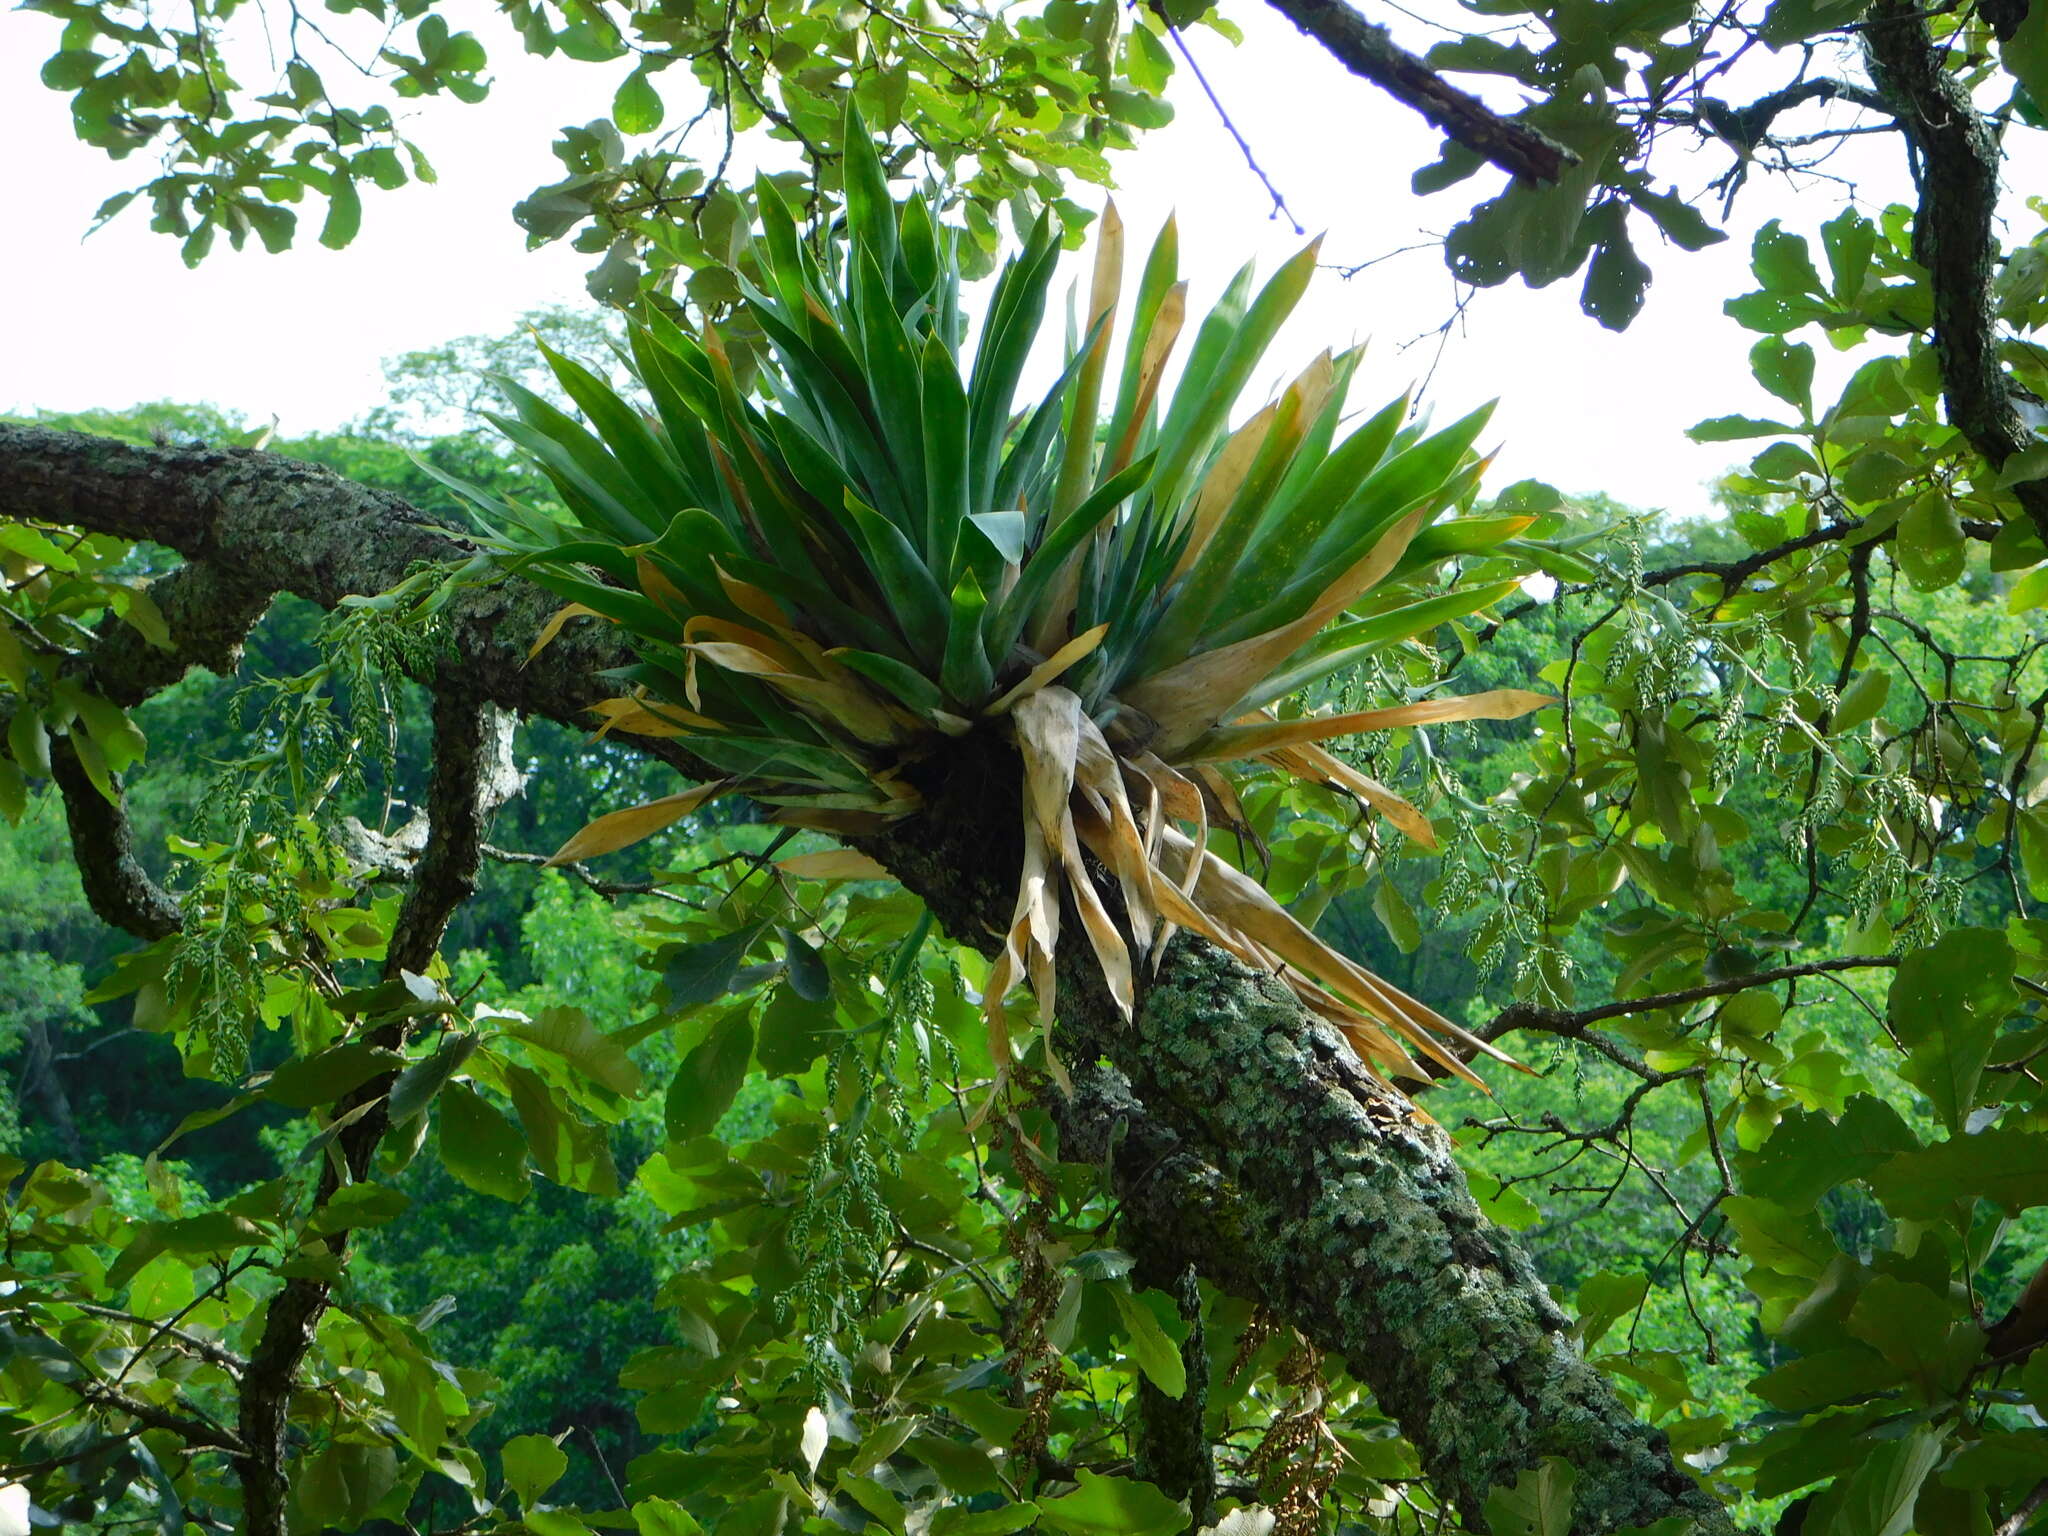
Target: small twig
point(205, 1348)
point(598, 1451)
point(1280, 208)
point(1556, 1021)
point(582, 872)
point(2029, 1507)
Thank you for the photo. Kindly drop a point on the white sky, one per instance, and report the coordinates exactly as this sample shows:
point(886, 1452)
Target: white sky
point(118, 319)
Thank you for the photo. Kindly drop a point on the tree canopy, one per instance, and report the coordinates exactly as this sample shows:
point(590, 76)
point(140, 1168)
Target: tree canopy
point(796, 938)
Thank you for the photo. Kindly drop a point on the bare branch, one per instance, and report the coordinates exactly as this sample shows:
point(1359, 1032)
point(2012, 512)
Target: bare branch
point(206, 1349)
point(286, 526)
point(1369, 52)
point(1747, 127)
point(193, 1428)
point(1732, 573)
point(2029, 1507)
point(1572, 1024)
point(1280, 208)
point(610, 889)
point(117, 887)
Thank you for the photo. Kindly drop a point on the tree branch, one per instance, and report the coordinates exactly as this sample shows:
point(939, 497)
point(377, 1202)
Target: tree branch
point(206, 1349)
point(2029, 1507)
point(1170, 1435)
point(1572, 1024)
point(208, 612)
point(1747, 127)
point(458, 803)
point(117, 887)
point(193, 1428)
point(1732, 573)
point(1957, 170)
point(286, 526)
point(1244, 1137)
point(611, 890)
point(1369, 52)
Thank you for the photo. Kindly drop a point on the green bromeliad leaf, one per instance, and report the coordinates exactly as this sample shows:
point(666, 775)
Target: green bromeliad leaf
point(874, 516)
point(837, 565)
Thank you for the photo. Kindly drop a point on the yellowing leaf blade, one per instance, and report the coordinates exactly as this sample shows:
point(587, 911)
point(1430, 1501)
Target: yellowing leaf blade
point(621, 829)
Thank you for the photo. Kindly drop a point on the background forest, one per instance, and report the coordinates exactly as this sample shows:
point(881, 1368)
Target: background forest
point(521, 912)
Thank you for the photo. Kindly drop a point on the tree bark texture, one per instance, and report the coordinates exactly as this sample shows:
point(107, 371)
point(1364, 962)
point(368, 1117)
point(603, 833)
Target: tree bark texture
point(1958, 161)
point(1241, 1135)
point(1172, 1448)
point(1369, 51)
point(259, 524)
point(444, 878)
point(1245, 1139)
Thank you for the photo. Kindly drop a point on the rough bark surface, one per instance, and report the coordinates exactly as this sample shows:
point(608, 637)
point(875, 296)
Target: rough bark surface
point(1370, 52)
point(280, 525)
point(117, 887)
point(1957, 171)
point(1371, 1243)
point(1172, 1437)
point(445, 877)
point(1255, 1147)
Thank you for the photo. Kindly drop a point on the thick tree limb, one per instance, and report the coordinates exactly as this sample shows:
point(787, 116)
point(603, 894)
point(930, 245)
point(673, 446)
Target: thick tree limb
point(117, 887)
point(1306, 1186)
point(253, 525)
point(1957, 170)
point(287, 526)
point(1255, 1147)
point(2029, 1507)
point(1371, 54)
point(1300, 1181)
point(208, 612)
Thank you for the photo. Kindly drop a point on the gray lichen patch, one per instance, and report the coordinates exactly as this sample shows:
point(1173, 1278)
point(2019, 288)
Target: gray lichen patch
point(1246, 1138)
point(1370, 1241)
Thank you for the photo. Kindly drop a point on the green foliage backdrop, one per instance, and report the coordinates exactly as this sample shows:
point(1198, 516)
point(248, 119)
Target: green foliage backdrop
point(392, 1182)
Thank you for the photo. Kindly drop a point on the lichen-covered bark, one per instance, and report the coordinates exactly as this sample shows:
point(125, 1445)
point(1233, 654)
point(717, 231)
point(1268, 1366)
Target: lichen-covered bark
point(264, 524)
point(1369, 1241)
point(1244, 1137)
